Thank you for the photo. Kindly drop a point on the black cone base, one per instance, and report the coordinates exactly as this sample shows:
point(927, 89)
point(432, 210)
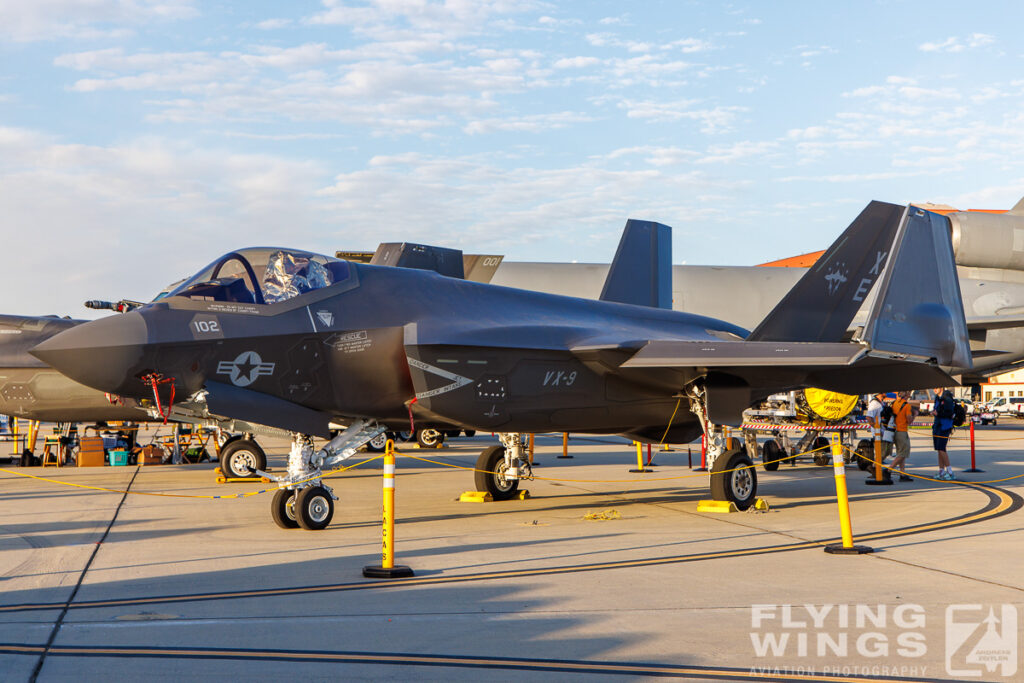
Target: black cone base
point(646, 470)
point(399, 571)
point(974, 469)
point(878, 482)
point(838, 549)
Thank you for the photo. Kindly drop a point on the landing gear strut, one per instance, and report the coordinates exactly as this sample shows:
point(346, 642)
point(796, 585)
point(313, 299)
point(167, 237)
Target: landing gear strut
point(302, 499)
point(733, 477)
point(500, 468)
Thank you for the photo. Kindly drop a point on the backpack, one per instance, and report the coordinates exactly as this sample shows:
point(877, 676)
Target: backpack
point(886, 416)
point(959, 414)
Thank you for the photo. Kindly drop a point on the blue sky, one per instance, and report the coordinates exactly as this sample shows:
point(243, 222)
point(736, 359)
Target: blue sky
point(139, 139)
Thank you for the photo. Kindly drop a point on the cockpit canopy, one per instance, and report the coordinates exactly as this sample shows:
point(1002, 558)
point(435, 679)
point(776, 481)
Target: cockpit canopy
point(263, 275)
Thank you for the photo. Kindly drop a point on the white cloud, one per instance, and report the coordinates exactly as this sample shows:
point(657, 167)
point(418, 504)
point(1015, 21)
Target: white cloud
point(955, 44)
point(386, 19)
point(310, 82)
point(273, 24)
point(468, 201)
point(688, 45)
point(32, 20)
point(576, 62)
point(535, 123)
point(141, 200)
point(713, 120)
point(719, 154)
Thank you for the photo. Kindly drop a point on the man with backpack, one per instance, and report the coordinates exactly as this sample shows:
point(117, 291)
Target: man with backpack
point(942, 427)
point(902, 416)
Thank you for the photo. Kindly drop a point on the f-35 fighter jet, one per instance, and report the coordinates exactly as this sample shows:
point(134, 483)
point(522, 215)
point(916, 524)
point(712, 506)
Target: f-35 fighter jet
point(297, 340)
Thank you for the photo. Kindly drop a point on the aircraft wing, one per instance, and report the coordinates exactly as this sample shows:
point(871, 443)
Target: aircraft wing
point(665, 354)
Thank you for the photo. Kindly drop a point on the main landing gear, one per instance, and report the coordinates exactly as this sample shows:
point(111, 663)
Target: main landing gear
point(733, 476)
point(499, 469)
point(239, 457)
point(302, 499)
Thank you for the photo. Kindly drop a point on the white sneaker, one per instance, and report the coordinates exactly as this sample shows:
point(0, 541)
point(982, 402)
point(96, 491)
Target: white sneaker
point(949, 475)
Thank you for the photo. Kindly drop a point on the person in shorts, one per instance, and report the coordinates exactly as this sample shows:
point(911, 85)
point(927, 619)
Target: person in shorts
point(942, 427)
point(902, 416)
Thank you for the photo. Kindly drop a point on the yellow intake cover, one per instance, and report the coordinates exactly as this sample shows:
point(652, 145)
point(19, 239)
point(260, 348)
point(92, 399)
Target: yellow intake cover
point(828, 405)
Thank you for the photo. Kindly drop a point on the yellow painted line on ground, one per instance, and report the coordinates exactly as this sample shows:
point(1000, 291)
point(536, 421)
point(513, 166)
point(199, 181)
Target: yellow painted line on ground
point(459, 661)
point(1000, 502)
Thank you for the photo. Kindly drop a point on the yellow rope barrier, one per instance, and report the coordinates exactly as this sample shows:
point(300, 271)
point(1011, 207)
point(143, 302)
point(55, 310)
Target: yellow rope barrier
point(611, 481)
point(473, 469)
point(938, 481)
point(247, 494)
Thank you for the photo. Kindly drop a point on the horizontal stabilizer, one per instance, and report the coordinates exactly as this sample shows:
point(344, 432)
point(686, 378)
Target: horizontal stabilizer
point(641, 273)
point(918, 311)
point(420, 256)
point(994, 322)
point(674, 354)
point(822, 303)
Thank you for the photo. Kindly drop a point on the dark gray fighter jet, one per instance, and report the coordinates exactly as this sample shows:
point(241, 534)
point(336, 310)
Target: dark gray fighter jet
point(32, 390)
point(297, 340)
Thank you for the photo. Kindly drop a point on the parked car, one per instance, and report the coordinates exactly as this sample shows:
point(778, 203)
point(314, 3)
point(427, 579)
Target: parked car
point(1012, 405)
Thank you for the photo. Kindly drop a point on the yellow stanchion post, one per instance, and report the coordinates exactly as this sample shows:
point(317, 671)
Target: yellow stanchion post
point(640, 469)
point(388, 569)
point(13, 422)
point(880, 478)
point(33, 434)
point(565, 446)
point(839, 469)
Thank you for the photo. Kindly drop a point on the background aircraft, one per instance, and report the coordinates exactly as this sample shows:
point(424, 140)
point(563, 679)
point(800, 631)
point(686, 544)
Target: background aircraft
point(32, 390)
point(297, 340)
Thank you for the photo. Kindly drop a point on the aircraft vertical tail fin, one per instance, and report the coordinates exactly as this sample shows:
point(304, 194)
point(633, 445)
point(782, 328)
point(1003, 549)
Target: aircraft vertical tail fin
point(641, 273)
point(919, 312)
point(1018, 208)
point(821, 305)
point(421, 256)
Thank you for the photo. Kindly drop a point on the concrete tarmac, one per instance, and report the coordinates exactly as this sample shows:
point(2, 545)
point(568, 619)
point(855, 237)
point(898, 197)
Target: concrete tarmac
point(99, 585)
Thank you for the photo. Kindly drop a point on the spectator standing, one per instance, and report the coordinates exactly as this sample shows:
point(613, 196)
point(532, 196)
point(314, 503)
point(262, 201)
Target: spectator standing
point(902, 416)
point(942, 427)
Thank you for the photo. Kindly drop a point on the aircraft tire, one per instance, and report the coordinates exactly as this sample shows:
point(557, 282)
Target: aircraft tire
point(240, 453)
point(866, 451)
point(738, 486)
point(488, 476)
point(769, 452)
point(429, 438)
point(821, 458)
point(282, 509)
point(379, 443)
point(469, 432)
point(314, 508)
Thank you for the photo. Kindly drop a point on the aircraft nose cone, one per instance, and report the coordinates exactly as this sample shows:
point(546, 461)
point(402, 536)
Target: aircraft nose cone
point(104, 354)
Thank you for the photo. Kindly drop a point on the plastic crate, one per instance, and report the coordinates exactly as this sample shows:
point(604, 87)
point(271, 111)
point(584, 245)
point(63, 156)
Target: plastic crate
point(118, 458)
